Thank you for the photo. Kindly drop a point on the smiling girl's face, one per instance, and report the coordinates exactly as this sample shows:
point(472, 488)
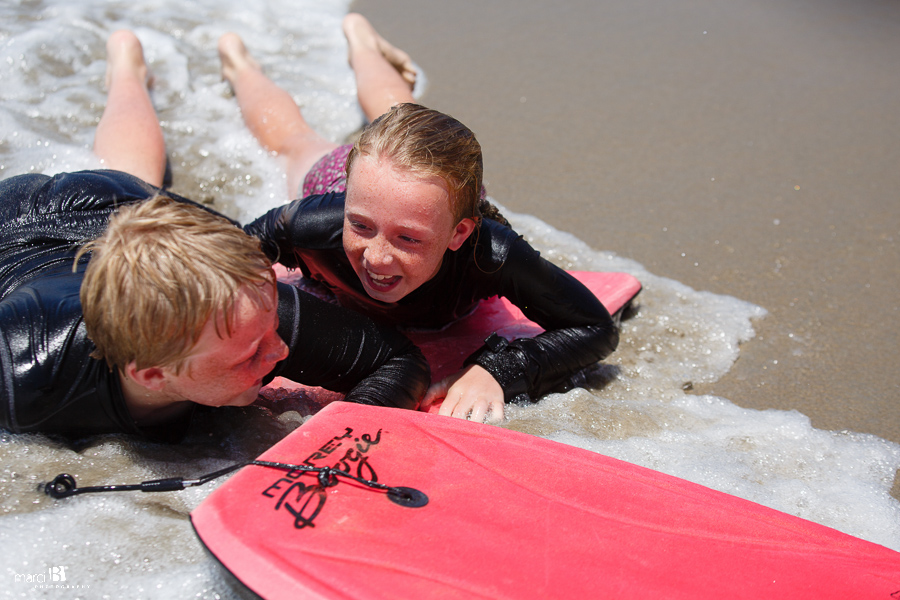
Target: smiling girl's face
point(397, 228)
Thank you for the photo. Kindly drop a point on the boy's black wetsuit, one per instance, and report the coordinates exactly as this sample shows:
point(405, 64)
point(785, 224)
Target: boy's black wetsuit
point(496, 261)
point(49, 383)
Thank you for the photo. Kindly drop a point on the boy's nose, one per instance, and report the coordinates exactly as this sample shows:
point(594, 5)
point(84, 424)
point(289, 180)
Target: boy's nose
point(278, 350)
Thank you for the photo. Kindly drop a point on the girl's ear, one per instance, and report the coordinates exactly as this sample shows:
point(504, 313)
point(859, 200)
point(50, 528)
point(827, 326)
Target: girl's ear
point(462, 232)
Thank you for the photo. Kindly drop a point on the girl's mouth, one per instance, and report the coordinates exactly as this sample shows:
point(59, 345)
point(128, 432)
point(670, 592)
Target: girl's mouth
point(382, 282)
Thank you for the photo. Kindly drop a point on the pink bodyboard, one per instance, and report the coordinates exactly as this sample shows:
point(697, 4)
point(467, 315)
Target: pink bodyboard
point(510, 516)
point(448, 348)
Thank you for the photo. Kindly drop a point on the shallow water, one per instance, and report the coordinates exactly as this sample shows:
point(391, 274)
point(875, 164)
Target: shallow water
point(637, 406)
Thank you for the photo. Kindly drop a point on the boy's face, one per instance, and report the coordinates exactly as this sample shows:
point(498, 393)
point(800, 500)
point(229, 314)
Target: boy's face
point(228, 371)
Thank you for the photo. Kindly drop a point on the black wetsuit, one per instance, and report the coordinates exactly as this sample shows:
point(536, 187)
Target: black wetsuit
point(306, 234)
point(49, 383)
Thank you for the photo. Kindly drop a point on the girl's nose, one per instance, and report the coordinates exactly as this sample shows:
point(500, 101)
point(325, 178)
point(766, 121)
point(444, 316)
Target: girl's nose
point(378, 252)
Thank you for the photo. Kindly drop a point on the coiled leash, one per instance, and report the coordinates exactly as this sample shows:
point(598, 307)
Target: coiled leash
point(63, 485)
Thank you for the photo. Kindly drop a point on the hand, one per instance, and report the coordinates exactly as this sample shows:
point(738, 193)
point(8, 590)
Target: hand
point(471, 394)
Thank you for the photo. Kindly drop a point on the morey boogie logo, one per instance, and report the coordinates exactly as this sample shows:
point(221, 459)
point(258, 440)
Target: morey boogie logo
point(304, 499)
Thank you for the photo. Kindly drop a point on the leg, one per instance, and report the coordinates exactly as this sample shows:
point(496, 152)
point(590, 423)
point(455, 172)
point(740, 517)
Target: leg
point(384, 77)
point(384, 74)
point(270, 113)
point(128, 136)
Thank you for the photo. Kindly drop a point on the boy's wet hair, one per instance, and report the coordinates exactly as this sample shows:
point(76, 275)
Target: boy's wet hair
point(160, 271)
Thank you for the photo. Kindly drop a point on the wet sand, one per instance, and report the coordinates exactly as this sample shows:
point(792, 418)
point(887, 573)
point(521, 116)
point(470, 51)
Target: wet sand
point(750, 148)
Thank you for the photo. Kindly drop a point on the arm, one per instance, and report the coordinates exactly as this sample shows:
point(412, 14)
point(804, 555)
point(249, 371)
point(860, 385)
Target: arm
point(579, 332)
point(344, 351)
point(315, 222)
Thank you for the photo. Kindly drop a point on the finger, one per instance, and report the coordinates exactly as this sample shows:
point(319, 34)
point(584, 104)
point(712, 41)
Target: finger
point(436, 391)
point(428, 399)
point(448, 406)
point(479, 410)
point(495, 413)
point(462, 408)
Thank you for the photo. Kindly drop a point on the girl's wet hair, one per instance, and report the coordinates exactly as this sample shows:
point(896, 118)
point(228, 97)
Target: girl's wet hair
point(428, 143)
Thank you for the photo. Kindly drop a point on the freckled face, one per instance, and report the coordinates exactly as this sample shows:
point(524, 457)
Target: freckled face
point(228, 371)
point(397, 228)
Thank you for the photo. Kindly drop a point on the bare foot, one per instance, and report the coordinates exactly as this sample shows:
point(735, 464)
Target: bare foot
point(361, 34)
point(125, 57)
point(234, 57)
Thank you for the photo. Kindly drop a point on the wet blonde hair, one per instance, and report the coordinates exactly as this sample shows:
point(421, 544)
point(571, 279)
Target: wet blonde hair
point(161, 270)
point(428, 143)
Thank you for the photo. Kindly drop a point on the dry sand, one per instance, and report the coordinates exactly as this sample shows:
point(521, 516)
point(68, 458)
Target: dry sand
point(749, 148)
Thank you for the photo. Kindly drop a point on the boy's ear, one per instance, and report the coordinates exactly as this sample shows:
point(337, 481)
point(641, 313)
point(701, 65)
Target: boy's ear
point(152, 378)
point(462, 232)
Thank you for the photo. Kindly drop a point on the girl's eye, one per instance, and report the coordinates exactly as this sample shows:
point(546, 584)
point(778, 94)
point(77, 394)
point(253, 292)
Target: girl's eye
point(410, 240)
point(358, 226)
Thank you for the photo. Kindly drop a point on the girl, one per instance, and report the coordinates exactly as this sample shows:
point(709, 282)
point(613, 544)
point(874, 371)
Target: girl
point(397, 227)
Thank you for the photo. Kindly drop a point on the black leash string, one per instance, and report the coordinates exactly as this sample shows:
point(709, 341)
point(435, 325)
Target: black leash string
point(63, 485)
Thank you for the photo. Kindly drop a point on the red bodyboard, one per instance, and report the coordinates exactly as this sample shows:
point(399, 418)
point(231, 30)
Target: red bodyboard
point(510, 516)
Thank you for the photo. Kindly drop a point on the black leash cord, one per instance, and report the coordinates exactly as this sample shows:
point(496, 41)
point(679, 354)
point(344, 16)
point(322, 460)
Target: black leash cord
point(63, 485)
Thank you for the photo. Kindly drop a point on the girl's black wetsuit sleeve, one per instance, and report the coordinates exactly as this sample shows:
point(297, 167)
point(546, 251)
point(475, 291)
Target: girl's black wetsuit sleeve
point(579, 329)
point(344, 351)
